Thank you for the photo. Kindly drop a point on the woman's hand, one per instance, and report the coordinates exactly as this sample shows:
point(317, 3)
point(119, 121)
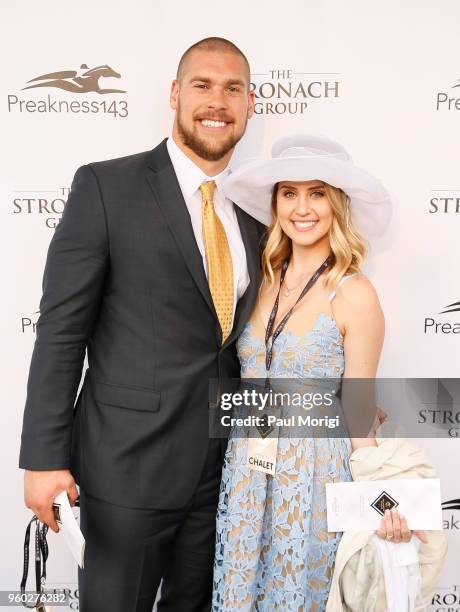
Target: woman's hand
point(394, 529)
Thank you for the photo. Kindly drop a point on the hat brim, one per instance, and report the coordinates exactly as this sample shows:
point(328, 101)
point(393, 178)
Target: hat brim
point(250, 186)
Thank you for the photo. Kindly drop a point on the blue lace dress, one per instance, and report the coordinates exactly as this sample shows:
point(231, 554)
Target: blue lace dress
point(273, 550)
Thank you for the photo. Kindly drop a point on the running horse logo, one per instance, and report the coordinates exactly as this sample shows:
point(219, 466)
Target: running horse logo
point(77, 81)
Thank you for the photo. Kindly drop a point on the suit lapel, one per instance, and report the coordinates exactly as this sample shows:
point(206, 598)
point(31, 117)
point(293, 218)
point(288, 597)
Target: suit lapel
point(168, 195)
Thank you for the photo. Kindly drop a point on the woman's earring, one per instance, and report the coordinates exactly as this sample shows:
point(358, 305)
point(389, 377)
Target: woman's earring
point(348, 214)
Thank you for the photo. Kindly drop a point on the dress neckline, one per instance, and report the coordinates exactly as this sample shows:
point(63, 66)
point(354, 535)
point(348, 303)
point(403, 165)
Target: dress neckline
point(321, 314)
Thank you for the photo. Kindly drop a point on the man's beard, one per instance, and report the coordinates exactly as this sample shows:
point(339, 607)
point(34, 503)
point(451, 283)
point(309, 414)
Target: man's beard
point(202, 148)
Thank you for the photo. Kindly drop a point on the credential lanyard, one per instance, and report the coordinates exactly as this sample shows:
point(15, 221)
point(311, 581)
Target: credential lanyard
point(271, 321)
point(41, 551)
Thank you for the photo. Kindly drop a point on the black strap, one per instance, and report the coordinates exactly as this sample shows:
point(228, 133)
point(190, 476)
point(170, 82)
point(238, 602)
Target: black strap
point(271, 321)
point(41, 555)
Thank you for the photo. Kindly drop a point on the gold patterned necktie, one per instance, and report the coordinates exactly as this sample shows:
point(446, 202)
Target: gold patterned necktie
point(218, 259)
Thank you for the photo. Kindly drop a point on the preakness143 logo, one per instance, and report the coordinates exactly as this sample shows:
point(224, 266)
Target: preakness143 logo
point(83, 88)
point(452, 523)
point(449, 101)
point(446, 322)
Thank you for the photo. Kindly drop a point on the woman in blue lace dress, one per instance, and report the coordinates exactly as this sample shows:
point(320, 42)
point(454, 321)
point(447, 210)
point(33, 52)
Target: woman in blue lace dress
point(273, 550)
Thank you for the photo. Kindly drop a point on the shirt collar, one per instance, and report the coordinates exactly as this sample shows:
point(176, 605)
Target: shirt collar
point(189, 175)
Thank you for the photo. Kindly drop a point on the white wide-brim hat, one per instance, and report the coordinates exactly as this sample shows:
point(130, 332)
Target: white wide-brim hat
point(307, 157)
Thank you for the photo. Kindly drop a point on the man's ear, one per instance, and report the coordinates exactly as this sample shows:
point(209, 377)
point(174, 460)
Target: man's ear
point(174, 94)
point(251, 100)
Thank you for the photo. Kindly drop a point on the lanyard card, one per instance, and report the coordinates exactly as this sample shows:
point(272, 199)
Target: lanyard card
point(262, 451)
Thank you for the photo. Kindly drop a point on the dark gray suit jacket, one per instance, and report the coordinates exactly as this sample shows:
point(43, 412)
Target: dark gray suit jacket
point(124, 279)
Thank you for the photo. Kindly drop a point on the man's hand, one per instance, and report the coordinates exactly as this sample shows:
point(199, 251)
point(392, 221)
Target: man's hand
point(40, 489)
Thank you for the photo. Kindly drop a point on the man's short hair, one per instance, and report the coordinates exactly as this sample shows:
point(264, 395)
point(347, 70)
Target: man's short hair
point(213, 43)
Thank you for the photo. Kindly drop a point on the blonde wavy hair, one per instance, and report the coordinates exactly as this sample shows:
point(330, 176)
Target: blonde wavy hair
point(347, 245)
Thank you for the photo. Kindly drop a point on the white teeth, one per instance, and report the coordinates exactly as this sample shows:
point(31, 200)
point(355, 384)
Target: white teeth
point(209, 123)
point(304, 224)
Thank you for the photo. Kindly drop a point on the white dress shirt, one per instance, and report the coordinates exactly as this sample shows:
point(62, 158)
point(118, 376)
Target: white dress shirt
point(190, 177)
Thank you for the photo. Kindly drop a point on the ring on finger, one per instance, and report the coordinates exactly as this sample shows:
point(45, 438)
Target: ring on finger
point(389, 536)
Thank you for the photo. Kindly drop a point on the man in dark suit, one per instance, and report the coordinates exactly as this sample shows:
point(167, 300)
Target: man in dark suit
point(154, 272)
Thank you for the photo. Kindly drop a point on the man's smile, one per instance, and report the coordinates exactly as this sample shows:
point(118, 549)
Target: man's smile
point(214, 124)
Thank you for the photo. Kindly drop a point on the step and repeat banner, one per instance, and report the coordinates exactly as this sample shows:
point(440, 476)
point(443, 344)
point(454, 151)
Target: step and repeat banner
point(89, 81)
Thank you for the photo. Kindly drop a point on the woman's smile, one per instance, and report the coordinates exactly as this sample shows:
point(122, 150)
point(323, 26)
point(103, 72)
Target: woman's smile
point(305, 226)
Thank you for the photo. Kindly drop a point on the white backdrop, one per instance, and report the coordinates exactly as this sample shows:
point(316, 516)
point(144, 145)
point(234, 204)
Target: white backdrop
point(375, 76)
